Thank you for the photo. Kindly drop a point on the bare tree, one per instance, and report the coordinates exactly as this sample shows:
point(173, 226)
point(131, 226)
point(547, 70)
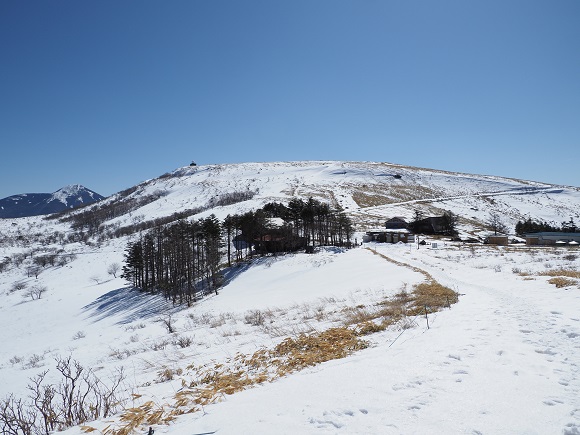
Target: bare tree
point(167, 321)
point(113, 269)
point(35, 292)
point(33, 270)
point(496, 223)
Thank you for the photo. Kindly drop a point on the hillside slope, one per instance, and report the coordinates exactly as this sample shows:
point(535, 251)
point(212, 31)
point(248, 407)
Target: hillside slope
point(369, 192)
point(512, 337)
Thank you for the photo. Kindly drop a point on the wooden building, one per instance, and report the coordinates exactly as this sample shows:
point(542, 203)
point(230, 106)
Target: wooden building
point(552, 239)
point(497, 240)
point(389, 236)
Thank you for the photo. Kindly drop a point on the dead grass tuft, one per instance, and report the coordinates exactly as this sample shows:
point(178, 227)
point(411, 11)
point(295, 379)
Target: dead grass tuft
point(561, 282)
point(430, 294)
point(368, 328)
point(294, 354)
point(433, 295)
point(570, 273)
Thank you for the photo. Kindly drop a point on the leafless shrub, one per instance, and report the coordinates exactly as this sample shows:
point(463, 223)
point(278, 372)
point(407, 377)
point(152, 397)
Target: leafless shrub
point(254, 318)
point(33, 270)
point(167, 321)
point(570, 257)
point(79, 397)
point(17, 417)
point(34, 292)
point(79, 335)
point(17, 286)
point(204, 319)
point(96, 279)
point(320, 314)
point(16, 360)
point(113, 269)
point(34, 361)
point(231, 332)
point(183, 341)
point(121, 354)
point(218, 321)
point(159, 345)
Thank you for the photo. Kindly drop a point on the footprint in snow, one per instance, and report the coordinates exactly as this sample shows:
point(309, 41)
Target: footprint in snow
point(552, 402)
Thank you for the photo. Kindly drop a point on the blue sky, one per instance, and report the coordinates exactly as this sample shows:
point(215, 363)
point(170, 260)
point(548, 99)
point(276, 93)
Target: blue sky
point(108, 93)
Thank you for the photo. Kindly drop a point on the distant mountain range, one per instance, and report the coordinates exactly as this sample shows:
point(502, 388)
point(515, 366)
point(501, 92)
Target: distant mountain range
point(33, 204)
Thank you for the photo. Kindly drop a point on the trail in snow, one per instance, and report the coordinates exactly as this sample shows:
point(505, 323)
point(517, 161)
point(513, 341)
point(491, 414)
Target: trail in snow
point(532, 342)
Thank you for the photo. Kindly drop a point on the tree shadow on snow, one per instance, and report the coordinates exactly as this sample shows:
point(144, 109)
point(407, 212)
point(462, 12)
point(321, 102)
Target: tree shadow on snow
point(129, 304)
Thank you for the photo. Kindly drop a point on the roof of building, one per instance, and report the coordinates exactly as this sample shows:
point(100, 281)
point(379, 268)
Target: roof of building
point(389, 230)
point(552, 234)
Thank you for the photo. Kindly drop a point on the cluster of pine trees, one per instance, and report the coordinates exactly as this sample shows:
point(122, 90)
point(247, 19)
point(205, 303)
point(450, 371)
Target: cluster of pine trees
point(184, 260)
point(180, 261)
point(536, 226)
point(318, 222)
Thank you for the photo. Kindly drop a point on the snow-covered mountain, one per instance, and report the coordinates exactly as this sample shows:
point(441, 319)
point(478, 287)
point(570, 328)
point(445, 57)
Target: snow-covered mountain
point(369, 191)
point(504, 359)
point(34, 204)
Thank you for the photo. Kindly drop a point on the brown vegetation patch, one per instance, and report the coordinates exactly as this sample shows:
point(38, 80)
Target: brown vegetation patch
point(432, 295)
point(560, 282)
point(562, 272)
point(382, 194)
point(429, 295)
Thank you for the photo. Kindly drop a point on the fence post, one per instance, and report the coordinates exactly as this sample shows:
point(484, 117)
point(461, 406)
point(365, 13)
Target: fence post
point(426, 317)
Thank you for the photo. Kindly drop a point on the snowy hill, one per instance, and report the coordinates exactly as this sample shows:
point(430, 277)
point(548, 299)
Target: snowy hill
point(504, 359)
point(33, 204)
point(370, 192)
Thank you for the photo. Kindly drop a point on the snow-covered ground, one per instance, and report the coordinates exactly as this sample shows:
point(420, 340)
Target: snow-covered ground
point(504, 359)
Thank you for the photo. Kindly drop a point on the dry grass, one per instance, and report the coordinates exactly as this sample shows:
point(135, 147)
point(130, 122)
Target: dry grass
point(562, 272)
point(377, 195)
point(364, 199)
point(432, 295)
point(560, 282)
point(429, 295)
point(212, 382)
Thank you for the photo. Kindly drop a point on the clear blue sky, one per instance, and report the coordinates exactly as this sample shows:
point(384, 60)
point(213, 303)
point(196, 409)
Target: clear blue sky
point(110, 93)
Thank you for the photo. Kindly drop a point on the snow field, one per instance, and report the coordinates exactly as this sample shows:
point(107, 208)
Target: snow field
point(504, 359)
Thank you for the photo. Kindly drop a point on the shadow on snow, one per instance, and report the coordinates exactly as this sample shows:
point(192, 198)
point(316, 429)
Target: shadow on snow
point(130, 304)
